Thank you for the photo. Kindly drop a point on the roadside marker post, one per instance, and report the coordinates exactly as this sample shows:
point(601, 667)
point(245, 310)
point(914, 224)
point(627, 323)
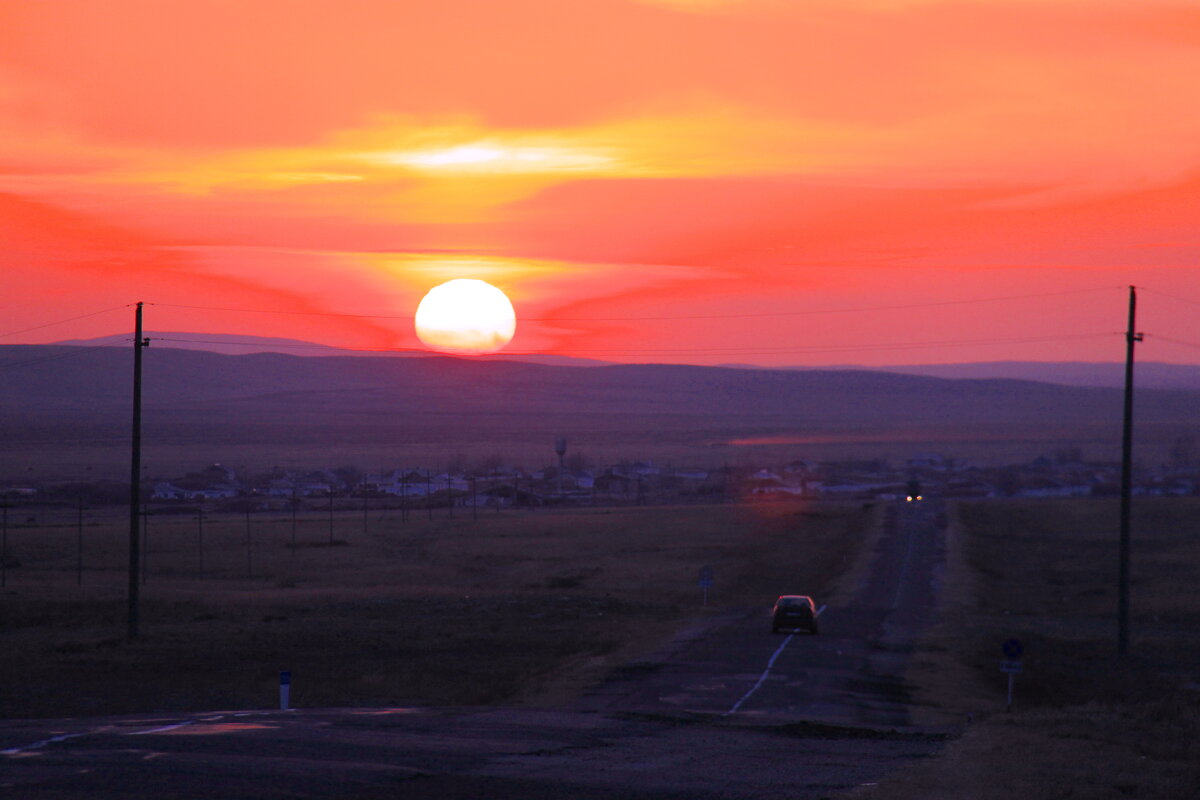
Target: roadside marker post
point(706, 581)
point(285, 689)
point(1011, 665)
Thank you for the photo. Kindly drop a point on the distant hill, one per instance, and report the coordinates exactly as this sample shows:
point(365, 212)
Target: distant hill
point(202, 402)
point(92, 379)
point(237, 345)
point(1147, 374)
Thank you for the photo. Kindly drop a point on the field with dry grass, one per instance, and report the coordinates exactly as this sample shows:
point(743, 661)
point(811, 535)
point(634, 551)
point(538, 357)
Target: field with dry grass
point(520, 607)
point(1085, 722)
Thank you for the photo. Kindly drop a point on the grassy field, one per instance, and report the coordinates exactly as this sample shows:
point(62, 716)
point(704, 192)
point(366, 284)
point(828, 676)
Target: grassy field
point(519, 607)
point(1085, 723)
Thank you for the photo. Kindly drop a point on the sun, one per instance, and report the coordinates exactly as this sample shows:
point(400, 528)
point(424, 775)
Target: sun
point(465, 316)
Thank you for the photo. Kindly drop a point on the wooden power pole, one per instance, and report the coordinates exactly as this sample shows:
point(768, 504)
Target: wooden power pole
point(1131, 338)
point(135, 476)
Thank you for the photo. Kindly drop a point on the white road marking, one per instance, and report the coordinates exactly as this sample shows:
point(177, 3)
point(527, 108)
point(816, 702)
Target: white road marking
point(761, 678)
point(163, 729)
point(16, 751)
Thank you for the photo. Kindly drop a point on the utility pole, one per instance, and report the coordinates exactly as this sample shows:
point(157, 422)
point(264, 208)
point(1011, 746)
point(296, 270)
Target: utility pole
point(79, 546)
point(1131, 338)
point(200, 538)
point(4, 542)
point(145, 542)
point(135, 473)
point(249, 547)
point(560, 447)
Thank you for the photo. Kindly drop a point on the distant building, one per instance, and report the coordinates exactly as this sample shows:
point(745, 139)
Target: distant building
point(929, 461)
point(169, 491)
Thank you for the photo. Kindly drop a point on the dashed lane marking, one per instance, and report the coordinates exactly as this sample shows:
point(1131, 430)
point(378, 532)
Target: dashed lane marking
point(16, 751)
point(38, 745)
point(761, 678)
point(164, 728)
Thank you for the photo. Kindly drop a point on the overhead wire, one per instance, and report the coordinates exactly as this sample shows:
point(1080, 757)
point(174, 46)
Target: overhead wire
point(69, 319)
point(748, 315)
point(689, 350)
point(632, 352)
point(846, 348)
point(1168, 294)
point(267, 346)
point(1181, 342)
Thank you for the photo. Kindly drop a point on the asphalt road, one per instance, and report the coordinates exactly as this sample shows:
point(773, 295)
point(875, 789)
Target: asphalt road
point(729, 710)
point(850, 674)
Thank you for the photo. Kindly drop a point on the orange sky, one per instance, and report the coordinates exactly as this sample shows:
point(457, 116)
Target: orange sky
point(699, 181)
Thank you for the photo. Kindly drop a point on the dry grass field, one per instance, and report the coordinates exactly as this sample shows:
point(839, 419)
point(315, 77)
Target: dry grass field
point(518, 607)
point(1085, 723)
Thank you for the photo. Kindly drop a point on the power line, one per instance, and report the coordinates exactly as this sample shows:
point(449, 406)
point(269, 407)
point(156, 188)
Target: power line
point(836, 348)
point(63, 321)
point(1181, 342)
point(271, 345)
point(280, 311)
point(750, 315)
point(694, 350)
point(1172, 296)
point(809, 312)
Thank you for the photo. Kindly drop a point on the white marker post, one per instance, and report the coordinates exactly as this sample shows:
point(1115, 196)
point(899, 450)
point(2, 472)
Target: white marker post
point(285, 689)
point(706, 581)
point(1012, 666)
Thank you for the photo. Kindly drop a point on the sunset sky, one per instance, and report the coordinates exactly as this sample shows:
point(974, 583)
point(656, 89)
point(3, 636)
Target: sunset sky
point(696, 181)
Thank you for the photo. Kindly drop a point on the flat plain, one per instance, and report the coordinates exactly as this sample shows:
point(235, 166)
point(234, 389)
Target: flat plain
point(530, 608)
point(518, 607)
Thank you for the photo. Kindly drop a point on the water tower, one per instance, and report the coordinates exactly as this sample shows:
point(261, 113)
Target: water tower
point(560, 447)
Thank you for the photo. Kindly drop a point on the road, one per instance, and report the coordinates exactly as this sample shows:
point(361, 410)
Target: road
point(851, 674)
point(728, 710)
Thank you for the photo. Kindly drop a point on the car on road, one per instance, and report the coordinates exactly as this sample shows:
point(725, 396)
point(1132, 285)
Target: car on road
point(794, 611)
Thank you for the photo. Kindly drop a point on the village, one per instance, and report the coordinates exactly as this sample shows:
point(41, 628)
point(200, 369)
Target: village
point(646, 483)
point(493, 485)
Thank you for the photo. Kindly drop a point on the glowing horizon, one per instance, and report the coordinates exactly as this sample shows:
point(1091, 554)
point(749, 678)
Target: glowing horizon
point(702, 181)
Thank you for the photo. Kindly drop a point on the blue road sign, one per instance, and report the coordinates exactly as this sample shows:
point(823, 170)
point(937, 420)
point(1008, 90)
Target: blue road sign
point(1012, 649)
point(285, 678)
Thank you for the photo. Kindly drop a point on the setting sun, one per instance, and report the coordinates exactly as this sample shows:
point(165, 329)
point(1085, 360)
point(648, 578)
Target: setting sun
point(465, 316)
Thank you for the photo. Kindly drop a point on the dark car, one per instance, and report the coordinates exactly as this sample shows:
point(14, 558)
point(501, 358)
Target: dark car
point(794, 611)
